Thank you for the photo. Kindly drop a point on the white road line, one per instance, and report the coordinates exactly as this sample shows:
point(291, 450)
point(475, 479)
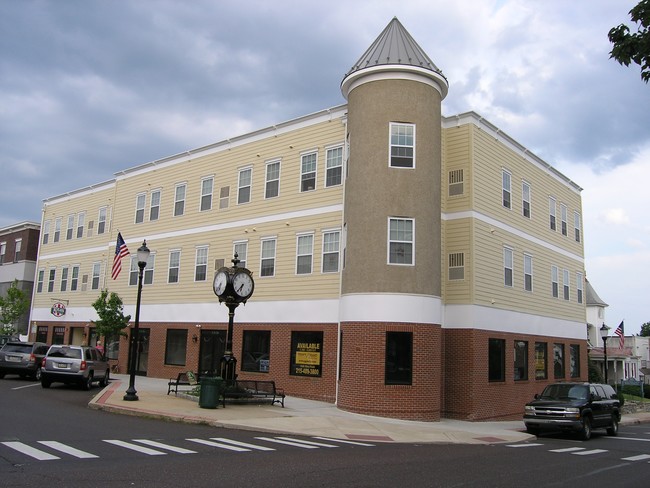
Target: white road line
point(524, 445)
point(630, 439)
point(343, 441)
point(135, 447)
point(242, 444)
point(288, 443)
point(30, 451)
point(219, 445)
point(569, 449)
point(589, 453)
point(179, 450)
point(57, 446)
point(640, 457)
point(27, 386)
point(309, 443)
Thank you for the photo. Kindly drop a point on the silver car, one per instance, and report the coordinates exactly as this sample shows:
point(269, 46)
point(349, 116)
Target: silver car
point(81, 365)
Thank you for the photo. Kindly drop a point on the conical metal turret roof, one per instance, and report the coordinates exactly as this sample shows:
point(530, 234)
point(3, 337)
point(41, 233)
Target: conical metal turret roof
point(592, 297)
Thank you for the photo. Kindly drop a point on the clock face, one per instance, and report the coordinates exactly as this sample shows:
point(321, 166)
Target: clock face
point(220, 282)
point(243, 284)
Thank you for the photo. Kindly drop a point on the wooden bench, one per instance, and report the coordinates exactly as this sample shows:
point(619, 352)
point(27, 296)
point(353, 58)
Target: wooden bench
point(187, 378)
point(253, 389)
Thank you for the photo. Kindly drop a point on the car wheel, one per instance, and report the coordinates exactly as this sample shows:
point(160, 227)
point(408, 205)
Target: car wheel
point(37, 374)
point(532, 430)
point(88, 382)
point(45, 383)
point(613, 428)
point(585, 433)
point(104, 381)
point(2, 375)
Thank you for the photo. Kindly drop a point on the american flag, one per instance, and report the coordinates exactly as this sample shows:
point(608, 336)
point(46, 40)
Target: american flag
point(620, 332)
point(120, 251)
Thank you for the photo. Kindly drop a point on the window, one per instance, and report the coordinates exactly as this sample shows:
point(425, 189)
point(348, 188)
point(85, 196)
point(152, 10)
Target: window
point(308, 171)
point(563, 217)
point(268, 258)
point(244, 187)
point(41, 334)
point(551, 212)
point(179, 200)
point(39, 280)
point(3, 252)
point(224, 196)
point(18, 247)
point(139, 207)
point(147, 276)
point(272, 187)
point(565, 283)
point(456, 182)
point(541, 361)
point(50, 281)
point(256, 349)
point(334, 166)
point(402, 145)
point(154, 205)
point(304, 253)
point(64, 278)
point(206, 193)
point(174, 266)
point(496, 359)
point(96, 273)
point(528, 272)
point(74, 279)
point(306, 353)
point(506, 189)
point(558, 361)
point(69, 232)
point(400, 241)
point(101, 221)
point(57, 229)
point(574, 360)
point(176, 347)
point(525, 199)
point(58, 335)
point(579, 286)
point(241, 249)
point(201, 264)
point(507, 266)
point(81, 221)
point(46, 231)
point(399, 358)
point(331, 251)
point(521, 360)
point(555, 282)
point(576, 225)
point(456, 266)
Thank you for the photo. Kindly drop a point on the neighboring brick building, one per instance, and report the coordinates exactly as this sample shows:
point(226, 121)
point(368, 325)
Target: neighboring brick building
point(406, 264)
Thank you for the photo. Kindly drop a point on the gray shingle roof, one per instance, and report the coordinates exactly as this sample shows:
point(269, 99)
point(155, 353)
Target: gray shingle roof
point(592, 297)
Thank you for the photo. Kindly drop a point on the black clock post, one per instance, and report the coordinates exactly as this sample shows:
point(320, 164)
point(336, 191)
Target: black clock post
point(232, 286)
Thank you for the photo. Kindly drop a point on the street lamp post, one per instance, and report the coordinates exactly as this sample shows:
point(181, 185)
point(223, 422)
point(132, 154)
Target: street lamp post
point(131, 393)
point(604, 332)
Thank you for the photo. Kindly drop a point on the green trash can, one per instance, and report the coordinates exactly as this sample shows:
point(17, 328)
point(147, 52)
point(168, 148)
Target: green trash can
point(210, 391)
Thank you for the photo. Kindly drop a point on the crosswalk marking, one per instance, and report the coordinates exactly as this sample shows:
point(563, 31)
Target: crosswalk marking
point(568, 449)
point(640, 457)
point(30, 451)
point(345, 441)
point(58, 446)
point(524, 445)
point(242, 444)
point(179, 450)
point(135, 447)
point(589, 453)
point(220, 445)
point(287, 442)
point(309, 443)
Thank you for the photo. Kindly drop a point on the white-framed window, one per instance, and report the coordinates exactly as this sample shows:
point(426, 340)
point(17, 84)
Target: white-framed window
point(57, 229)
point(267, 262)
point(81, 222)
point(179, 199)
point(552, 209)
point(334, 166)
point(18, 246)
point(304, 253)
point(224, 197)
point(241, 249)
point(173, 272)
point(3, 252)
point(331, 251)
point(525, 199)
point(565, 283)
point(579, 286)
point(456, 182)
point(101, 220)
point(201, 264)
point(528, 272)
point(576, 226)
point(97, 269)
point(456, 270)
point(69, 231)
point(206, 193)
point(64, 278)
point(402, 145)
point(308, 164)
point(506, 188)
point(39, 280)
point(154, 205)
point(401, 241)
point(74, 278)
point(555, 282)
point(272, 185)
point(140, 200)
point(46, 231)
point(563, 218)
point(147, 275)
point(508, 261)
point(244, 185)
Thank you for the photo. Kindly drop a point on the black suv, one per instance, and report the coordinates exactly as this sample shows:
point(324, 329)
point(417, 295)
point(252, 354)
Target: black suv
point(576, 407)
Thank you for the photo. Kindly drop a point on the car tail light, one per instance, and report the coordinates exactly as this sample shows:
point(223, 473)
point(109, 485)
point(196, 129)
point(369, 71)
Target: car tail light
point(32, 358)
point(43, 363)
point(82, 366)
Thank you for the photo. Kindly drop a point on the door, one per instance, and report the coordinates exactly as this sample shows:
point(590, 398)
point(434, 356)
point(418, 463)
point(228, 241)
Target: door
point(142, 352)
point(213, 347)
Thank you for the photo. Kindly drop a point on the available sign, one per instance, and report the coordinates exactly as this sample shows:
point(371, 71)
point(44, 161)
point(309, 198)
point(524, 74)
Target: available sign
point(306, 357)
point(58, 309)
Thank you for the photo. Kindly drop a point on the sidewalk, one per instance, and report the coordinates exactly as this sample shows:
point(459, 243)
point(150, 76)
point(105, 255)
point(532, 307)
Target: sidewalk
point(307, 417)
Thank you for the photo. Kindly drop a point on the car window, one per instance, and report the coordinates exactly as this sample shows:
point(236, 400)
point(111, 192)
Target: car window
point(41, 350)
point(609, 391)
point(88, 355)
point(601, 392)
point(24, 348)
point(65, 352)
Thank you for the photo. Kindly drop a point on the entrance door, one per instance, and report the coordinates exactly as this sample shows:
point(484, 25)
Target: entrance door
point(213, 347)
point(142, 353)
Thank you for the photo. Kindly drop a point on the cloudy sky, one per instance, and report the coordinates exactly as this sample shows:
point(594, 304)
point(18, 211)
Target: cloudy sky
point(91, 87)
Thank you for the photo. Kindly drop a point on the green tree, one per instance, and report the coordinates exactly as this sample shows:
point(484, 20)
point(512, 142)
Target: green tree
point(635, 47)
point(112, 321)
point(645, 330)
point(12, 307)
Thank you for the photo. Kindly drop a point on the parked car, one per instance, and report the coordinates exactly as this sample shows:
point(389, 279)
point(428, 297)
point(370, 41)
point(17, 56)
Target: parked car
point(81, 365)
point(576, 407)
point(22, 358)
